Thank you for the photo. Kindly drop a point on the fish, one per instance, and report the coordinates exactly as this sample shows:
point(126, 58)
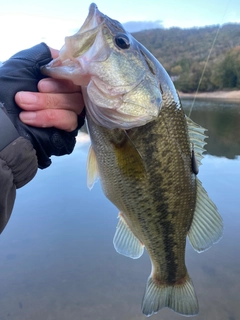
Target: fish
point(146, 152)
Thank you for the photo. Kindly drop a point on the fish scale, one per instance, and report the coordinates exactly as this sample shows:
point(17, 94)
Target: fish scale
point(160, 171)
point(146, 153)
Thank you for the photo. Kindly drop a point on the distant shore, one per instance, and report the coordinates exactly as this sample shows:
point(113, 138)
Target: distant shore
point(228, 95)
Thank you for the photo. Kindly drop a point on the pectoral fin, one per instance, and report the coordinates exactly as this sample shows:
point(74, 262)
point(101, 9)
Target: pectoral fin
point(129, 160)
point(92, 168)
point(125, 241)
point(207, 225)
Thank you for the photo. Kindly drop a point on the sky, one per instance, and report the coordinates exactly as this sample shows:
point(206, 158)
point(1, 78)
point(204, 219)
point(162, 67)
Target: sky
point(27, 22)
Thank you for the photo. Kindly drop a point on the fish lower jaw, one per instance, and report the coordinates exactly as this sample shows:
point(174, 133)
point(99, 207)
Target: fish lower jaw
point(67, 69)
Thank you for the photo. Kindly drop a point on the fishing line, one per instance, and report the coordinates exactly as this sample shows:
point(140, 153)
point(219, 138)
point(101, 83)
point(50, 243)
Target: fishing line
point(208, 57)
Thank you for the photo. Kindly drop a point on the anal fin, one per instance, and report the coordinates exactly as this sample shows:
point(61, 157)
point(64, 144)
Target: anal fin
point(125, 242)
point(207, 225)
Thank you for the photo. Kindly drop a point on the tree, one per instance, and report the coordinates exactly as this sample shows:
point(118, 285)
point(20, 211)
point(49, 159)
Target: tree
point(176, 70)
point(227, 73)
point(194, 79)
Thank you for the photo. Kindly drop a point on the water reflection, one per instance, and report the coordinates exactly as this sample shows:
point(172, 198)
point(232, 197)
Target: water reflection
point(57, 260)
point(222, 119)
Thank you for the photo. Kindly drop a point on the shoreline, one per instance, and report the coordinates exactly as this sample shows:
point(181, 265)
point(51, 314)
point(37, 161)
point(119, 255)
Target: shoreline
point(228, 95)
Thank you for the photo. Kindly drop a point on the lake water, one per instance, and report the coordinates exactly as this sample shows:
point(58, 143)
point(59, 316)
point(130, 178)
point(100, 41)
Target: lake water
point(57, 260)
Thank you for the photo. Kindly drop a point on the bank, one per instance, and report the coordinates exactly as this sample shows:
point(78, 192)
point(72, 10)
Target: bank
point(229, 95)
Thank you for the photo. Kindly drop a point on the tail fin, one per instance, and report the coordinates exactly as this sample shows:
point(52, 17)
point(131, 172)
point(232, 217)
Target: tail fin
point(180, 297)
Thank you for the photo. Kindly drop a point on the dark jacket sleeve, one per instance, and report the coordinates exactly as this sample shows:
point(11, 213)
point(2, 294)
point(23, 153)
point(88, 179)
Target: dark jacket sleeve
point(25, 148)
point(18, 165)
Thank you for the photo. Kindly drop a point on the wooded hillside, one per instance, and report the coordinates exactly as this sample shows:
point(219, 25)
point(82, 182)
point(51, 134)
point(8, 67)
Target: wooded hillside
point(183, 53)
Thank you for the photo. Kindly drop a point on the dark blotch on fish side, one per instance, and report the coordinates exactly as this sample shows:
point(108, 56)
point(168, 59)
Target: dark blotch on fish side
point(170, 255)
point(164, 223)
point(161, 89)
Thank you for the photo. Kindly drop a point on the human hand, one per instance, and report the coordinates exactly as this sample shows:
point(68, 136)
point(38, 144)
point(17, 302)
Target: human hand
point(22, 73)
point(58, 104)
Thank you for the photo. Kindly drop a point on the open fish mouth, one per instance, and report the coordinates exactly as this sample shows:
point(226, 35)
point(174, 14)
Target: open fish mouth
point(93, 20)
point(148, 172)
point(107, 62)
point(69, 65)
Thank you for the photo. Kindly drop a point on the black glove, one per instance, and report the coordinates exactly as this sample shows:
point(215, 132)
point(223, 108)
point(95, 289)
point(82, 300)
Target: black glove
point(22, 73)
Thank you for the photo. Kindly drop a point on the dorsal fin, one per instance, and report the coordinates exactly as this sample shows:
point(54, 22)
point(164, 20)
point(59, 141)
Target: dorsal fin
point(196, 137)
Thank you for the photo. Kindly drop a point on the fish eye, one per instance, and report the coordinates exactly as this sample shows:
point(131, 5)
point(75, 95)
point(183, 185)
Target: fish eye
point(122, 41)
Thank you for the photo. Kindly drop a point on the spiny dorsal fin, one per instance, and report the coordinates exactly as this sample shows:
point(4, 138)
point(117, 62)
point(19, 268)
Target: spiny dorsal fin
point(197, 137)
point(92, 168)
point(207, 225)
point(125, 241)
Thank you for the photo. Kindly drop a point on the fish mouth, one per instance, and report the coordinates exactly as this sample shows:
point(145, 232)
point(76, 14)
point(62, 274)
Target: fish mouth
point(93, 20)
point(69, 64)
point(123, 103)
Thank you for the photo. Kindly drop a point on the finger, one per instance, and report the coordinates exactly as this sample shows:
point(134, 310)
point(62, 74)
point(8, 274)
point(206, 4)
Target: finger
point(50, 85)
point(54, 53)
point(32, 101)
point(61, 119)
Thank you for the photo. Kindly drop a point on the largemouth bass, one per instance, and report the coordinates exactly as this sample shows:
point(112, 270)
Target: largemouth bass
point(145, 151)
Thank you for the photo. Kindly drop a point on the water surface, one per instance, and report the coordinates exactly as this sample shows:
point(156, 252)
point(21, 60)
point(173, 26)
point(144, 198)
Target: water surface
point(57, 261)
